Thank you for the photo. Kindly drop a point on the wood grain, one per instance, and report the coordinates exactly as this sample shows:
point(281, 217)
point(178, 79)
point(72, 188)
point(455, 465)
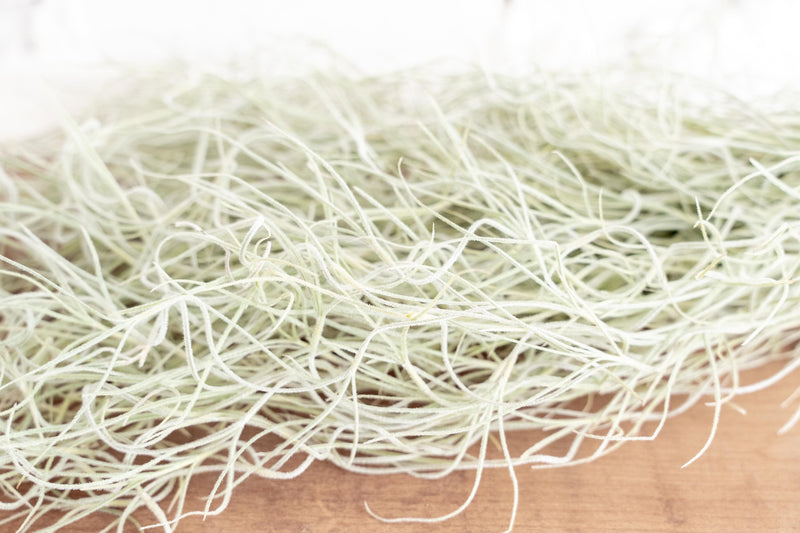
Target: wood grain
point(749, 480)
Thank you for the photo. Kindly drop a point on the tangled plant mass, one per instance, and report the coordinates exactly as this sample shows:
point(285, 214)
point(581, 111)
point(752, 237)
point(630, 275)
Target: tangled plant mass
point(381, 273)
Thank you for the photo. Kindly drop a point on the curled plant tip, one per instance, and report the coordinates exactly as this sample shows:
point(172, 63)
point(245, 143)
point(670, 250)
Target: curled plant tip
point(385, 273)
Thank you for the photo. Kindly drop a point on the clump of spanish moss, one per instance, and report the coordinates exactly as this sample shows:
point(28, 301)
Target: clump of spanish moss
point(381, 273)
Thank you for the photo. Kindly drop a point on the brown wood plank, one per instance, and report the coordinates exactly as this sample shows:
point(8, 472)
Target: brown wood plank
point(749, 480)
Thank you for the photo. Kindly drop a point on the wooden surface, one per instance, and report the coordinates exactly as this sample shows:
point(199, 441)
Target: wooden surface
point(749, 480)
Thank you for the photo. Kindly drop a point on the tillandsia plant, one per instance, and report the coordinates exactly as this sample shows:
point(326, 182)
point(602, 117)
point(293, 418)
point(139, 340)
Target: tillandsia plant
point(382, 273)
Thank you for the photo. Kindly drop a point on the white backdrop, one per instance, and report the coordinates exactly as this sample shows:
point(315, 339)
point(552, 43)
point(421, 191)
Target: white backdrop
point(70, 46)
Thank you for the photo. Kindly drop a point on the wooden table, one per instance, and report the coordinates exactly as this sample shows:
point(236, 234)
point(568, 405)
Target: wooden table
point(749, 480)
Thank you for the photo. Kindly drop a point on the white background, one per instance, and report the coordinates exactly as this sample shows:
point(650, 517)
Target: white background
point(68, 47)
